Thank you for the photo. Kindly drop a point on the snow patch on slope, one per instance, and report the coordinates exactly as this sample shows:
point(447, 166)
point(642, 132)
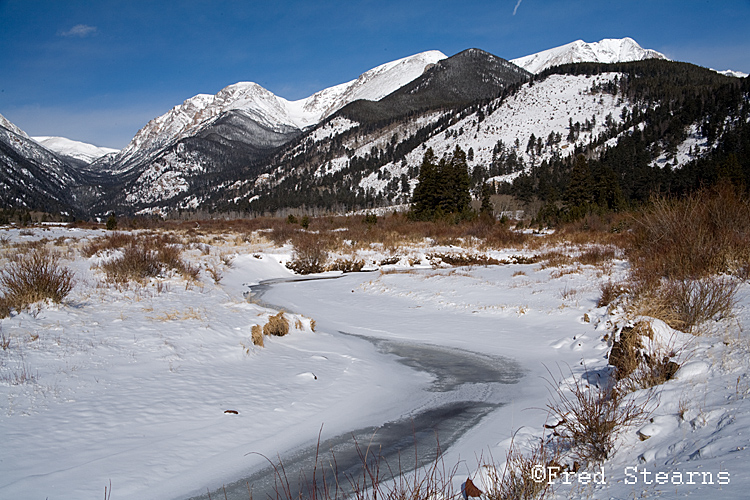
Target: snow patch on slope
point(74, 149)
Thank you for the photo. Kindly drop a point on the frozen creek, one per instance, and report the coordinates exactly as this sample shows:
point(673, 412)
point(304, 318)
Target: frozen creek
point(465, 387)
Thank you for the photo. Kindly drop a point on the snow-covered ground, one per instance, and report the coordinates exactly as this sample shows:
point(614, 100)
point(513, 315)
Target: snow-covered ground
point(130, 385)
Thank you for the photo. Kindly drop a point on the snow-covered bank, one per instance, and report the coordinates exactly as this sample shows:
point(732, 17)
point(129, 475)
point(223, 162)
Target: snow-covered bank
point(130, 385)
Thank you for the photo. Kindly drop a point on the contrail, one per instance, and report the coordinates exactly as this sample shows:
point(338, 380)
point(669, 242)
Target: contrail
point(516, 8)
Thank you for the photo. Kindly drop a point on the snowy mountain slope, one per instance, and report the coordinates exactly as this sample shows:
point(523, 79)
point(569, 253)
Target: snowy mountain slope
point(74, 149)
point(5, 123)
point(543, 109)
point(34, 177)
point(548, 119)
point(609, 50)
point(268, 109)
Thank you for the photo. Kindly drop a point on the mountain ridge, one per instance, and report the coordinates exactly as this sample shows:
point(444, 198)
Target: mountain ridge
point(608, 50)
point(245, 149)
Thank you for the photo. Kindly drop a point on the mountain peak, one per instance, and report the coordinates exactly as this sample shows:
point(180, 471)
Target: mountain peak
point(608, 50)
point(7, 124)
point(272, 111)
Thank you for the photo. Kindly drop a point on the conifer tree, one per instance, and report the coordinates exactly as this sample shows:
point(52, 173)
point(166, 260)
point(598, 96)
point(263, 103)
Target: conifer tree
point(443, 188)
point(579, 193)
point(424, 199)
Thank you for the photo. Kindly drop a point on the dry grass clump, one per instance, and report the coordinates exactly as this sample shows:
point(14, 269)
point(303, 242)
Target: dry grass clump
point(135, 263)
point(277, 325)
point(555, 258)
point(257, 335)
point(112, 241)
point(34, 277)
point(596, 255)
point(590, 417)
point(610, 292)
point(640, 364)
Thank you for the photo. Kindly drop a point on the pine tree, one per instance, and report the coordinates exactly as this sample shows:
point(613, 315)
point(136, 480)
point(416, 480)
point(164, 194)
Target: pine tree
point(443, 188)
point(579, 194)
point(424, 199)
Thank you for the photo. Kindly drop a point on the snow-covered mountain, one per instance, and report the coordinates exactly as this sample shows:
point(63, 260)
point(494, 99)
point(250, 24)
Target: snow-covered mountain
point(355, 144)
point(609, 50)
point(730, 72)
point(271, 111)
point(73, 149)
point(7, 124)
point(32, 176)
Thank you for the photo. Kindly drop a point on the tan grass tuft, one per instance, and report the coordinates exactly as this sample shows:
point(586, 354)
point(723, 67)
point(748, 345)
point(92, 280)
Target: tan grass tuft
point(257, 335)
point(277, 325)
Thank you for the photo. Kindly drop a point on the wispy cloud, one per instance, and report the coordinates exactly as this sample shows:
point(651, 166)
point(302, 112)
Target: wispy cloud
point(81, 31)
point(516, 7)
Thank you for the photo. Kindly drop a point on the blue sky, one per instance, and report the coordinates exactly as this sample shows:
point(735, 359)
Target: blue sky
point(97, 71)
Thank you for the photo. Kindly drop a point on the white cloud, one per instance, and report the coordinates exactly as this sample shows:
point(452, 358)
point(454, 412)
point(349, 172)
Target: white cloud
point(80, 30)
point(516, 7)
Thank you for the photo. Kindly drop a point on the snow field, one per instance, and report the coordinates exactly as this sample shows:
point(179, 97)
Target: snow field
point(130, 384)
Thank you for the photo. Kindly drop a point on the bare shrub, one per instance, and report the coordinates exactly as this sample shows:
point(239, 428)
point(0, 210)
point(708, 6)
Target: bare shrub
point(389, 261)
point(135, 263)
point(34, 277)
point(257, 335)
point(376, 479)
point(590, 417)
point(703, 234)
point(685, 303)
point(143, 256)
point(347, 265)
point(500, 237)
point(282, 233)
point(309, 254)
point(518, 480)
point(109, 242)
point(464, 259)
point(277, 325)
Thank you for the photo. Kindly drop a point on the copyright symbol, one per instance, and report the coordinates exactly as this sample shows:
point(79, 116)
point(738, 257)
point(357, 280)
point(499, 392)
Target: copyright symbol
point(538, 474)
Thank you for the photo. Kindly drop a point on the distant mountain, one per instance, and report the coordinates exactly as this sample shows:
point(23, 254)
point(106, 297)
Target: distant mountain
point(34, 177)
point(608, 50)
point(212, 136)
point(275, 115)
point(78, 152)
point(465, 77)
point(736, 74)
point(650, 123)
